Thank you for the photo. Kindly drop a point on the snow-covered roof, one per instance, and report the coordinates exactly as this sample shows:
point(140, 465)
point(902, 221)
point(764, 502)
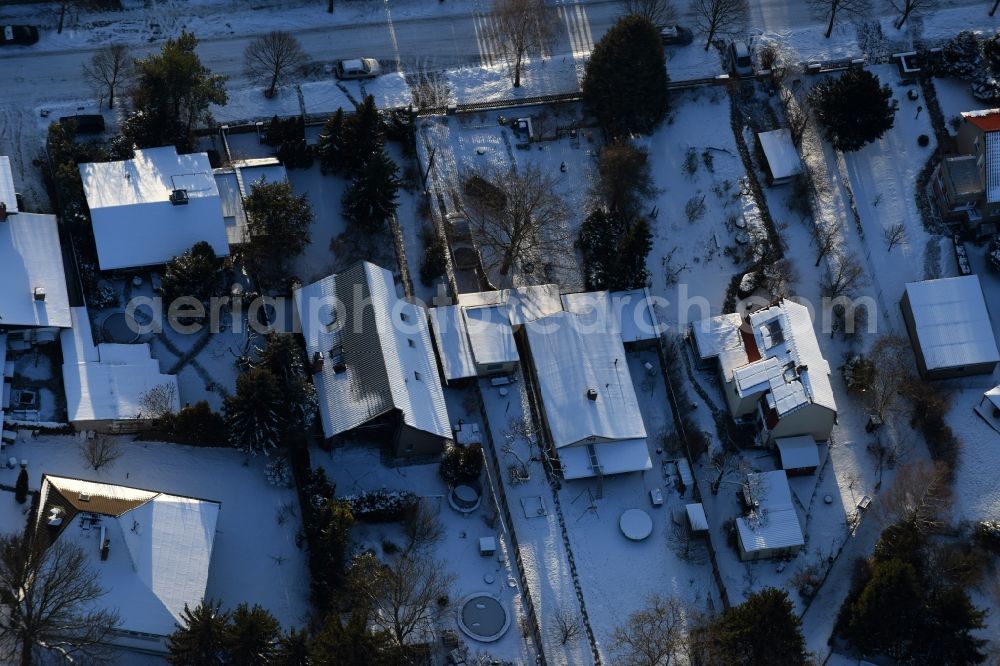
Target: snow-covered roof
point(779, 150)
point(523, 304)
point(774, 523)
point(235, 182)
point(992, 165)
point(965, 174)
point(784, 332)
point(586, 389)
point(490, 336)
point(630, 312)
point(719, 337)
point(160, 547)
point(356, 318)
point(134, 221)
point(797, 452)
point(106, 381)
point(7, 191)
point(993, 395)
point(31, 263)
point(696, 517)
point(775, 351)
point(452, 341)
point(618, 457)
point(952, 323)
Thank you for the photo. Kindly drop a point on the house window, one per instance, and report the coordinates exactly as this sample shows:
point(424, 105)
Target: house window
point(410, 342)
point(416, 375)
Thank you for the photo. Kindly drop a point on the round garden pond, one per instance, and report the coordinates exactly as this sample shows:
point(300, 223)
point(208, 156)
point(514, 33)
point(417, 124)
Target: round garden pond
point(483, 617)
point(120, 327)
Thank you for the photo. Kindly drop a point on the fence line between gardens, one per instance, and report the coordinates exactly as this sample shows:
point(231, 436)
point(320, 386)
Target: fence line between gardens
point(665, 356)
point(496, 484)
point(545, 445)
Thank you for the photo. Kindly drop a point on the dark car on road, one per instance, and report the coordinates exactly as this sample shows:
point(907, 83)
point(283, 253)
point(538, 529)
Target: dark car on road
point(675, 35)
point(18, 34)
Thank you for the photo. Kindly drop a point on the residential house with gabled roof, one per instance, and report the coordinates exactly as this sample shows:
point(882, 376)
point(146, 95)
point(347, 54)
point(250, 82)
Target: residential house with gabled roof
point(586, 396)
point(772, 369)
point(372, 360)
point(150, 550)
point(967, 184)
point(147, 210)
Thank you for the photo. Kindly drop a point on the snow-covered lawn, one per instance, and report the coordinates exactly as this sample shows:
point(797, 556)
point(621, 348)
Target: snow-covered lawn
point(254, 559)
point(954, 97)
point(695, 257)
point(617, 574)
point(356, 469)
point(471, 143)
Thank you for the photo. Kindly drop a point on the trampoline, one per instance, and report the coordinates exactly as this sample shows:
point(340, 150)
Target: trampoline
point(483, 618)
point(120, 327)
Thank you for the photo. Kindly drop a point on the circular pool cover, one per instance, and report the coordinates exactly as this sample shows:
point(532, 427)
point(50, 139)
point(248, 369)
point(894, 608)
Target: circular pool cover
point(120, 327)
point(484, 618)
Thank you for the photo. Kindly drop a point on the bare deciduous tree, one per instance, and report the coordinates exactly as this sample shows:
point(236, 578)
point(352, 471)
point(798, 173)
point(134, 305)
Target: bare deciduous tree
point(51, 598)
point(518, 216)
point(846, 276)
point(892, 361)
point(825, 236)
point(907, 7)
point(100, 451)
point(894, 235)
point(108, 70)
point(404, 595)
point(713, 17)
point(654, 635)
point(832, 10)
point(158, 401)
point(422, 528)
point(777, 278)
point(524, 27)
point(567, 625)
point(659, 12)
point(920, 495)
point(272, 57)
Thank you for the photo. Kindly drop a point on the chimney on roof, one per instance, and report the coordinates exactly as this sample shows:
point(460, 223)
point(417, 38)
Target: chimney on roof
point(592, 394)
point(179, 197)
point(317, 364)
point(39, 293)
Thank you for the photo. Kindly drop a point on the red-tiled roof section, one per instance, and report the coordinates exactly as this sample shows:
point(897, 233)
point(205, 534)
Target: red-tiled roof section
point(749, 343)
point(987, 121)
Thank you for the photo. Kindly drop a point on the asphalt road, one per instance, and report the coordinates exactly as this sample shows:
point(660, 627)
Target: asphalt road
point(434, 43)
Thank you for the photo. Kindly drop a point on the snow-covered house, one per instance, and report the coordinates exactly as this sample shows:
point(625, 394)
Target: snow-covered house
point(150, 550)
point(781, 160)
point(372, 360)
point(967, 185)
point(235, 183)
point(630, 312)
point(474, 341)
point(950, 327)
point(34, 304)
point(105, 383)
point(771, 526)
point(151, 208)
point(773, 371)
point(587, 401)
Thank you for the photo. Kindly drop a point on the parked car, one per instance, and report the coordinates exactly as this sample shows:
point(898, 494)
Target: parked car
point(672, 35)
point(18, 34)
point(358, 68)
point(738, 55)
point(85, 123)
point(463, 247)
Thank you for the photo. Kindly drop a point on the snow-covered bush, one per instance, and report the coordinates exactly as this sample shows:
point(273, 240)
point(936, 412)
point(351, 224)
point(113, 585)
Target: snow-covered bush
point(987, 535)
point(278, 473)
point(381, 506)
point(461, 464)
point(859, 373)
